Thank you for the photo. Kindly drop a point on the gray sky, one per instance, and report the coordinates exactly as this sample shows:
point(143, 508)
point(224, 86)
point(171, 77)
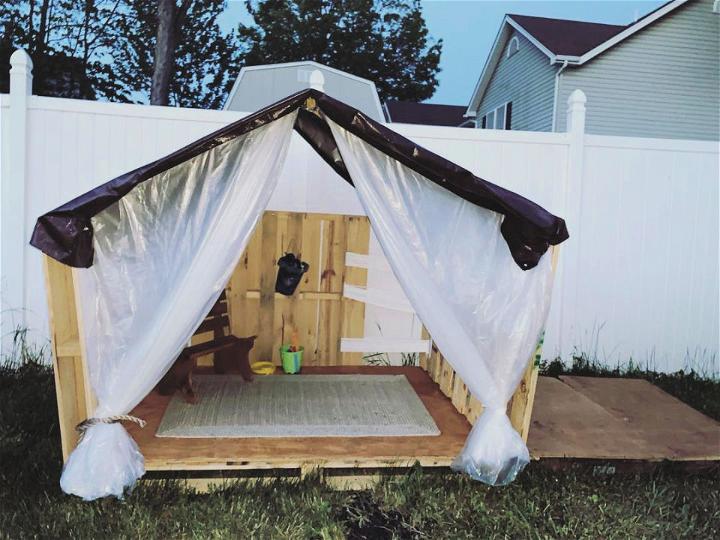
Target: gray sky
point(468, 29)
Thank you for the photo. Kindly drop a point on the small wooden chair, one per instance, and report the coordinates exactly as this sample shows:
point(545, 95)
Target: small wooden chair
point(231, 353)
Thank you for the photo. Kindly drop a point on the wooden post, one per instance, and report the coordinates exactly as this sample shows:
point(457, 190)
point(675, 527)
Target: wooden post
point(523, 399)
point(75, 399)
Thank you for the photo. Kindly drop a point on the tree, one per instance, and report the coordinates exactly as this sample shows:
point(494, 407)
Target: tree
point(385, 41)
point(170, 21)
point(68, 41)
point(177, 51)
point(174, 51)
point(109, 49)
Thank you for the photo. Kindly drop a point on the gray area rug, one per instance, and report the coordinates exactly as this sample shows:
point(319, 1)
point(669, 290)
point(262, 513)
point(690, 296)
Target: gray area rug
point(299, 406)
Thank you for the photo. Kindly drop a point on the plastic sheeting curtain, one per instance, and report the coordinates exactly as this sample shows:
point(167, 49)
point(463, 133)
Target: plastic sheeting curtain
point(482, 310)
point(163, 255)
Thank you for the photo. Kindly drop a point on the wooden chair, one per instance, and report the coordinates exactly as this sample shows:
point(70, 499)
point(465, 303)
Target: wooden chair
point(231, 353)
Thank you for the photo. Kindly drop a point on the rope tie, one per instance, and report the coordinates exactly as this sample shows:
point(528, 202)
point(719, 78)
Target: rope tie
point(86, 424)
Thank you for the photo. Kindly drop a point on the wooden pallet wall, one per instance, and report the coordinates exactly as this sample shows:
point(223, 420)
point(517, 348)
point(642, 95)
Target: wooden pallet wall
point(317, 310)
point(450, 383)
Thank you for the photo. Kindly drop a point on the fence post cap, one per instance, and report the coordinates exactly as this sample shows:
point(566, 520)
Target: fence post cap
point(20, 59)
point(317, 80)
point(577, 96)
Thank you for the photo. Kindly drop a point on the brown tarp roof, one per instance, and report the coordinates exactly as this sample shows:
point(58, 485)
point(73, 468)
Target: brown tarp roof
point(66, 233)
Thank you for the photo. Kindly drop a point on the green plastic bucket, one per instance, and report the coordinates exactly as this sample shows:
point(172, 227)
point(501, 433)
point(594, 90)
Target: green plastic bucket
point(291, 361)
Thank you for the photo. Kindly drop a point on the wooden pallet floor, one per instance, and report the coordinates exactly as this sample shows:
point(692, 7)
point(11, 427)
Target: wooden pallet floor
point(163, 454)
point(617, 419)
point(573, 417)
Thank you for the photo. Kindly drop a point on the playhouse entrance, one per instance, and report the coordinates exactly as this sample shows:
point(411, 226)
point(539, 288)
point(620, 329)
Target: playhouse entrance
point(326, 319)
point(258, 429)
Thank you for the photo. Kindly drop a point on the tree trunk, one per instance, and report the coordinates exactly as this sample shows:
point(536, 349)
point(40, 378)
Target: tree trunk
point(41, 38)
point(164, 63)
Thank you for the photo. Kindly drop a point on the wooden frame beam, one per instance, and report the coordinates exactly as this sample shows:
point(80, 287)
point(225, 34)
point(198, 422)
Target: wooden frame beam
point(75, 398)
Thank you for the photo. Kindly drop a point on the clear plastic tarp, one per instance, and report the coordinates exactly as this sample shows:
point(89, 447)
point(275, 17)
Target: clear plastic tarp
point(163, 255)
point(484, 313)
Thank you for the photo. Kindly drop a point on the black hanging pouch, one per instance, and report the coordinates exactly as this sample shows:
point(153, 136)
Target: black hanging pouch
point(289, 274)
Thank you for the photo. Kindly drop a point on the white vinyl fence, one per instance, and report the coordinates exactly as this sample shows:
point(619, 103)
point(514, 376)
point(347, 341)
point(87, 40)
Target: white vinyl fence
point(638, 278)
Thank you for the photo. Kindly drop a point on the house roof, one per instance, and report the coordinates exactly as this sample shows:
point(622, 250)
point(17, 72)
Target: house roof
point(562, 41)
point(430, 114)
point(566, 37)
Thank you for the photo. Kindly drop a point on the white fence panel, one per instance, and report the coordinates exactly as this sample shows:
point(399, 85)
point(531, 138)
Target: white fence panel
point(648, 242)
point(638, 278)
point(531, 164)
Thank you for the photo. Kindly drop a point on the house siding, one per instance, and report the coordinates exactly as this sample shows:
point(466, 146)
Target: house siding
point(528, 80)
point(663, 82)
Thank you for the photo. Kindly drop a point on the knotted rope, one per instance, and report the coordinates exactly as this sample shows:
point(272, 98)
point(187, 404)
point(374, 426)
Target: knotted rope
point(83, 426)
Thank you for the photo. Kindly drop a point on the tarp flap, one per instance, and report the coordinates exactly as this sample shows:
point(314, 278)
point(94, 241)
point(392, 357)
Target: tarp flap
point(66, 232)
point(163, 255)
point(484, 313)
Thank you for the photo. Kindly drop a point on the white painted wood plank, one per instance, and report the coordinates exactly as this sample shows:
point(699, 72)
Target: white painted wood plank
point(387, 345)
point(358, 260)
point(386, 299)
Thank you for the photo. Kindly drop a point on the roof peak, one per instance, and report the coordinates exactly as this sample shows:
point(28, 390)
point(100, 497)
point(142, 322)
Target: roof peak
point(564, 37)
point(518, 15)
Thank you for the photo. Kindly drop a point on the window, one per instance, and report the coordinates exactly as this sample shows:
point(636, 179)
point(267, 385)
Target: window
point(500, 118)
point(513, 47)
point(490, 120)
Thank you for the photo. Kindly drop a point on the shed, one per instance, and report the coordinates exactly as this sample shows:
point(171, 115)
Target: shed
point(137, 266)
point(259, 86)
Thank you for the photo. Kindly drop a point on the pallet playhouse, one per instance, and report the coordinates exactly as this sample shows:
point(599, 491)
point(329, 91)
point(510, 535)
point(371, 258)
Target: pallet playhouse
point(441, 390)
point(134, 267)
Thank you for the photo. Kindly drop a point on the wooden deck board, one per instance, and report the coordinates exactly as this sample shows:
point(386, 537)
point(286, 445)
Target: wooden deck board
point(605, 418)
point(294, 452)
point(573, 417)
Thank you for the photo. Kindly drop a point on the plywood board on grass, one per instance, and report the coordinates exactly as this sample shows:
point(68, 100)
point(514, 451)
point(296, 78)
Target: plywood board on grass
point(602, 418)
point(673, 427)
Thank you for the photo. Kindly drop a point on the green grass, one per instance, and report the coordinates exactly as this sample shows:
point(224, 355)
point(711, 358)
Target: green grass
point(540, 504)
